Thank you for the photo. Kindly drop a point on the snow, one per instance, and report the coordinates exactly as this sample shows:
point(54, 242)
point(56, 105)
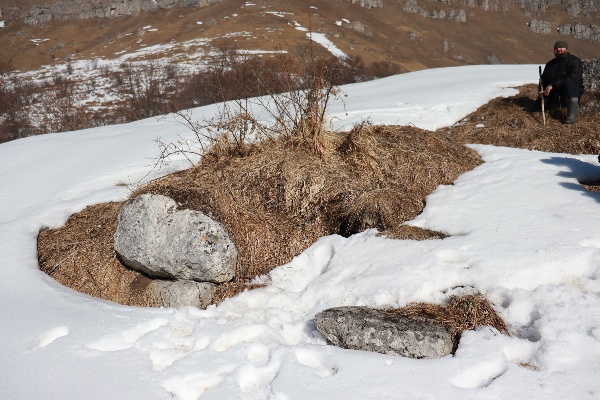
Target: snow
point(325, 42)
point(524, 233)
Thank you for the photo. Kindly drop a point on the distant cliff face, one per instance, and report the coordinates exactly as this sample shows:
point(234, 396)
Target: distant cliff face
point(573, 7)
point(81, 9)
point(587, 9)
point(61, 10)
point(579, 23)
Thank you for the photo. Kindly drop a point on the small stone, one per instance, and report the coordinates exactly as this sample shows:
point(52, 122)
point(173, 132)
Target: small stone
point(184, 293)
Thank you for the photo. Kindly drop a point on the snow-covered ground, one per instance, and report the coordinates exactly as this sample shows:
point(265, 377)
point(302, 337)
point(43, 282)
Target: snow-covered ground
point(525, 234)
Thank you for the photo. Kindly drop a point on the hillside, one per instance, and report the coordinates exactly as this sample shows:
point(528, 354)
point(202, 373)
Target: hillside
point(520, 228)
point(412, 34)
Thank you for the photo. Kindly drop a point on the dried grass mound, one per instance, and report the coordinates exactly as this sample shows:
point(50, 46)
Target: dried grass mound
point(80, 255)
point(460, 314)
point(279, 199)
point(514, 122)
point(275, 199)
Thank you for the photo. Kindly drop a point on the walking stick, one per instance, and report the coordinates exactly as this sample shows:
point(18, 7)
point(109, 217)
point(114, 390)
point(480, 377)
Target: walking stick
point(541, 87)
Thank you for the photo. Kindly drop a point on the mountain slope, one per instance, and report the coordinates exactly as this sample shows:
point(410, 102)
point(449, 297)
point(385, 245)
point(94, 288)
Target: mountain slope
point(413, 34)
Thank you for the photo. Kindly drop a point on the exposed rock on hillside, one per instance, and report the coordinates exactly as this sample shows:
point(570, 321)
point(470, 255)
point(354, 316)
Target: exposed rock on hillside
point(368, 3)
point(412, 7)
point(541, 27)
point(418, 330)
point(581, 31)
point(183, 293)
point(77, 9)
point(74, 9)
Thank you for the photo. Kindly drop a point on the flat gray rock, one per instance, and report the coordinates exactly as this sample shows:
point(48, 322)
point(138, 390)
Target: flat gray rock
point(155, 238)
point(381, 331)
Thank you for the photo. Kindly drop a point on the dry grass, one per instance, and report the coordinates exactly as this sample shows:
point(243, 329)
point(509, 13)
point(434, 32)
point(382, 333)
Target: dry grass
point(460, 314)
point(511, 122)
point(80, 255)
point(275, 201)
point(278, 197)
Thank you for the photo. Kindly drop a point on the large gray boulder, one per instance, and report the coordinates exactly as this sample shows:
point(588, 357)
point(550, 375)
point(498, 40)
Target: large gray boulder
point(184, 293)
point(156, 239)
point(382, 331)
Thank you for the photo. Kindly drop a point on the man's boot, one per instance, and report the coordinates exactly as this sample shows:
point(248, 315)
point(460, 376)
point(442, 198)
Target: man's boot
point(572, 108)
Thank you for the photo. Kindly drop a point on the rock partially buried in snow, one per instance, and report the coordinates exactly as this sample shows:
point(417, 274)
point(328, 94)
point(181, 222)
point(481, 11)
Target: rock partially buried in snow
point(156, 239)
point(184, 293)
point(363, 328)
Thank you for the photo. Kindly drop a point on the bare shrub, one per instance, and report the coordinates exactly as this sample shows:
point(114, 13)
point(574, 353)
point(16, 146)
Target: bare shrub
point(15, 96)
point(293, 91)
point(380, 69)
point(147, 88)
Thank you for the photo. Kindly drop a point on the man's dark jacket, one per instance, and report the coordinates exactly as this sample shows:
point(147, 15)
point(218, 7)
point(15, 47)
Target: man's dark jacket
point(562, 69)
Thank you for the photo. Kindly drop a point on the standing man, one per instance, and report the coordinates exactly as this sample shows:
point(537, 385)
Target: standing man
point(562, 80)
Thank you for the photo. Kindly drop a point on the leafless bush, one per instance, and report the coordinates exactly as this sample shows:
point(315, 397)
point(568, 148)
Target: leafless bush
point(293, 92)
point(15, 95)
point(148, 88)
point(296, 88)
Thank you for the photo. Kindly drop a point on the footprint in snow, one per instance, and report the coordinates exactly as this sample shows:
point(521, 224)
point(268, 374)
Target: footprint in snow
point(191, 386)
point(259, 355)
point(127, 338)
point(50, 336)
point(257, 379)
point(480, 375)
point(456, 257)
point(321, 365)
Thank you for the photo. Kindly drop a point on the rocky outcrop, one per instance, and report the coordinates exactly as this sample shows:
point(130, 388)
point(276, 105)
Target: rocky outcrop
point(591, 74)
point(541, 27)
point(383, 331)
point(573, 7)
point(77, 9)
point(368, 3)
point(580, 31)
point(412, 7)
point(359, 27)
point(155, 238)
point(488, 5)
point(577, 30)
